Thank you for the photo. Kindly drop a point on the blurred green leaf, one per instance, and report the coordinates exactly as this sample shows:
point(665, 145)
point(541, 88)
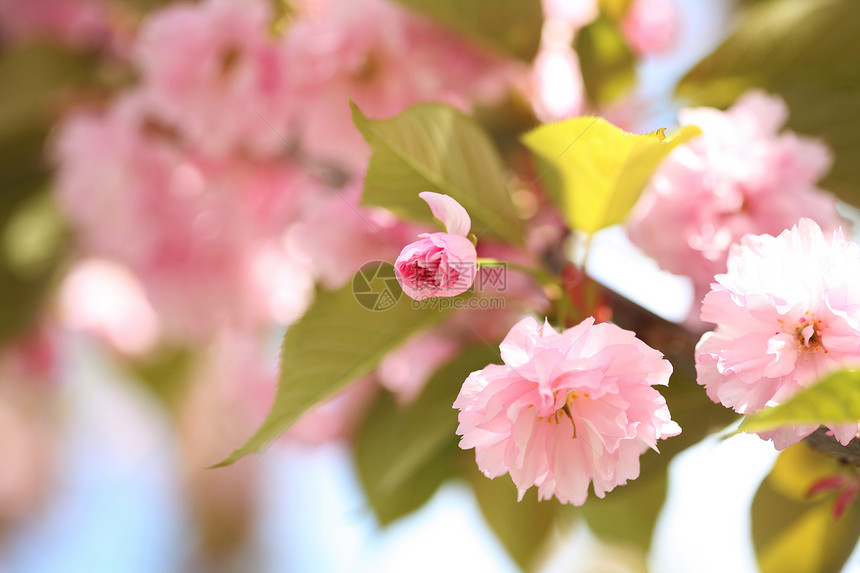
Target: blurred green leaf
point(607, 62)
point(792, 533)
point(512, 27)
point(524, 527)
point(628, 513)
point(595, 171)
point(808, 53)
point(691, 409)
point(336, 341)
point(403, 454)
point(166, 372)
point(834, 399)
point(434, 147)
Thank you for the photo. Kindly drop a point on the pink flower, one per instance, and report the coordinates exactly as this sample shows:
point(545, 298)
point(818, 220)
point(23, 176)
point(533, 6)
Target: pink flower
point(202, 236)
point(76, 23)
point(336, 235)
point(741, 176)
point(440, 264)
point(214, 71)
point(575, 13)
point(650, 26)
point(384, 59)
point(566, 409)
point(787, 312)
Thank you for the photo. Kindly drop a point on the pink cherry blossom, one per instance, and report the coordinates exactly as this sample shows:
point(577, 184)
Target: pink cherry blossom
point(787, 312)
point(336, 235)
point(740, 176)
point(650, 26)
point(575, 13)
point(385, 59)
point(213, 69)
point(439, 264)
point(196, 232)
point(76, 23)
point(566, 409)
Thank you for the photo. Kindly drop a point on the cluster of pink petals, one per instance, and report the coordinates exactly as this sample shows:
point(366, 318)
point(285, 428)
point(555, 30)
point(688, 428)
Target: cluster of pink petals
point(212, 70)
point(195, 231)
point(566, 409)
point(740, 176)
point(76, 23)
point(439, 264)
point(787, 312)
point(336, 235)
point(385, 59)
point(650, 26)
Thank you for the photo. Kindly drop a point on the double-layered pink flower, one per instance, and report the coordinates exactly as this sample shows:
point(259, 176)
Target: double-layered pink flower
point(787, 313)
point(741, 176)
point(566, 409)
point(439, 264)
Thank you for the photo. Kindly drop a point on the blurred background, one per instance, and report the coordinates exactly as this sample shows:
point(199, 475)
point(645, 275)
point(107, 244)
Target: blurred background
point(179, 180)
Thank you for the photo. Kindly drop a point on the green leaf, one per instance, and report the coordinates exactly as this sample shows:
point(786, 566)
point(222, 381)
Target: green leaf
point(524, 527)
point(166, 372)
point(337, 341)
point(403, 454)
point(510, 27)
point(434, 147)
point(628, 513)
point(607, 62)
point(835, 399)
point(691, 409)
point(595, 171)
point(792, 533)
point(806, 52)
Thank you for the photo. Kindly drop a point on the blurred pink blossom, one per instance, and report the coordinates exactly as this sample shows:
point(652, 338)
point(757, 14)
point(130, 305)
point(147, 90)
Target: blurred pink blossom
point(439, 264)
point(566, 409)
point(405, 370)
point(335, 418)
point(194, 231)
point(336, 235)
point(76, 23)
point(557, 90)
point(741, 176)
point(650, 26)
point(384, 59)
point(104, 298)
point(214, 70)
point(575, 13)
point(787, 312)
point(29, 432)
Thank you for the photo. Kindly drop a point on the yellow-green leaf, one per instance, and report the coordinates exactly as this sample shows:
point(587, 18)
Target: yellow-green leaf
point(793, 533)
point(835, 399)
point(596, 171)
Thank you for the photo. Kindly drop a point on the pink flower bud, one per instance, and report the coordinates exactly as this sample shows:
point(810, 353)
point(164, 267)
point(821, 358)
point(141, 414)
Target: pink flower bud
point(439, 264)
